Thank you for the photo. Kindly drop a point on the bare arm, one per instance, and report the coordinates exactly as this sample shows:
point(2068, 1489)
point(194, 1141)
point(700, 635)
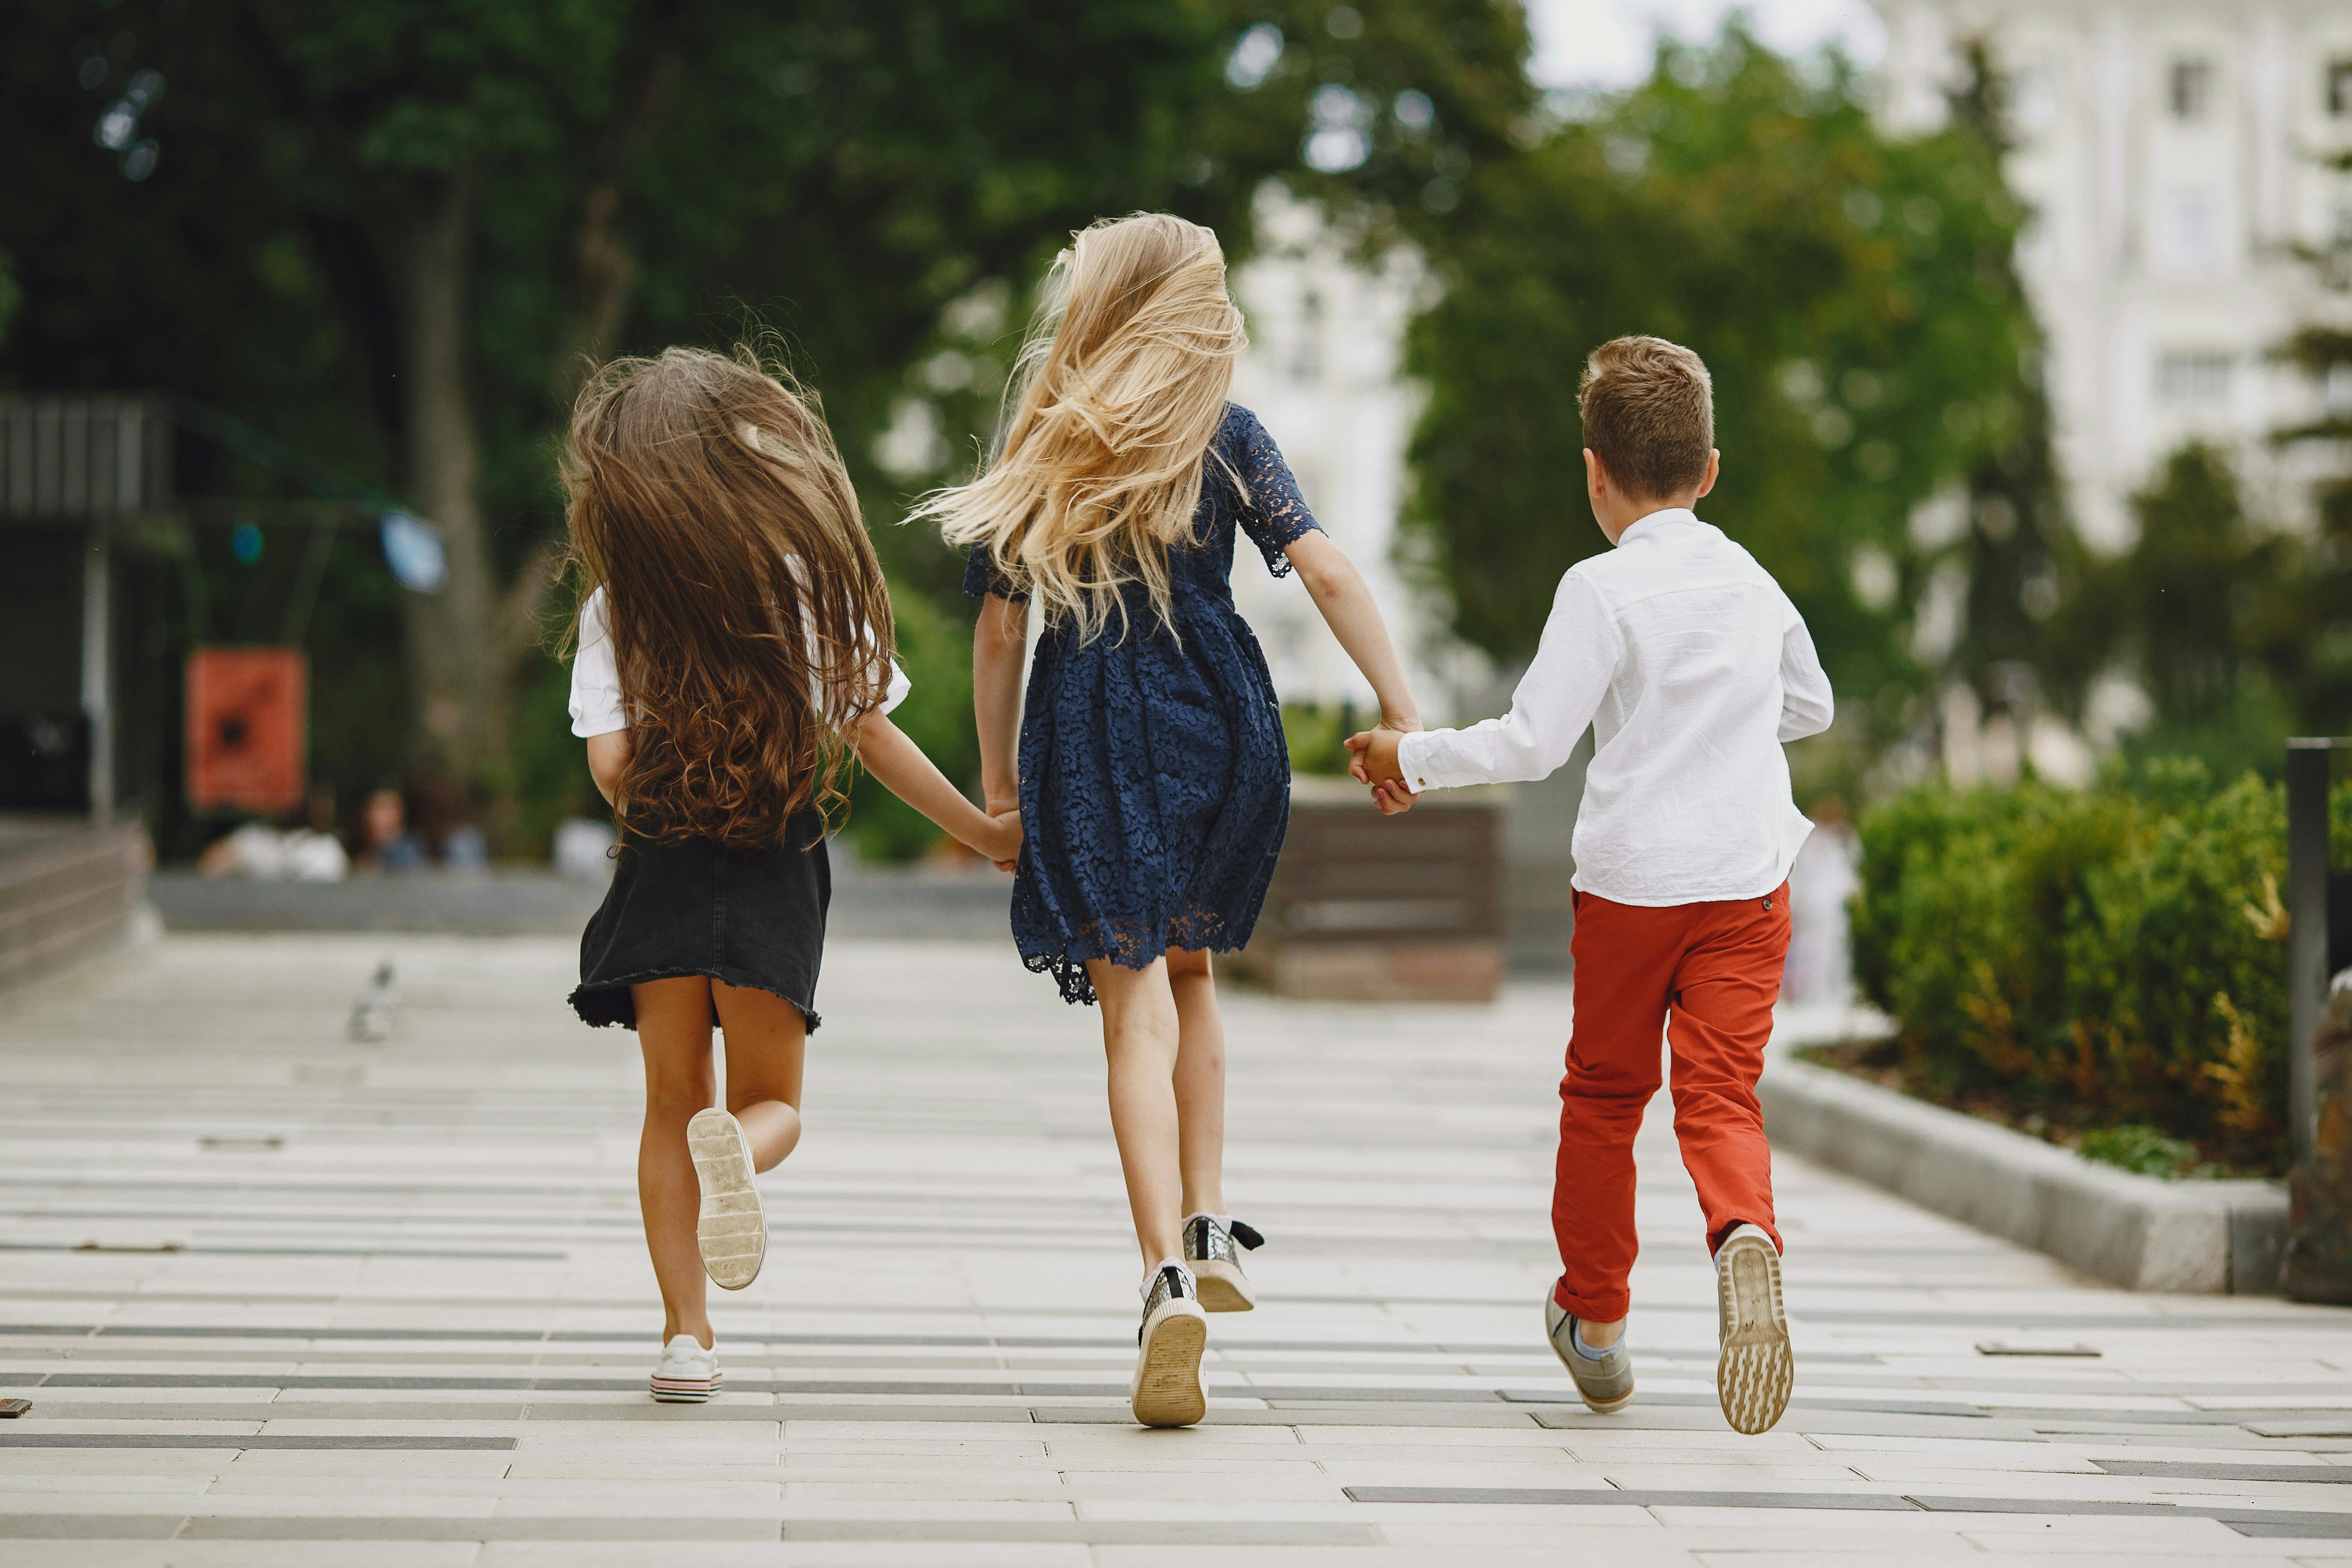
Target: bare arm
point(608, 759)
point(906, 773)
point(997, 644)
point(1339, 592)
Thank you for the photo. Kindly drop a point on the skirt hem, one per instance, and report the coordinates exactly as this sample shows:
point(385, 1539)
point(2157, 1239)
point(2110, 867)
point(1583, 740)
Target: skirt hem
point(599, 1008)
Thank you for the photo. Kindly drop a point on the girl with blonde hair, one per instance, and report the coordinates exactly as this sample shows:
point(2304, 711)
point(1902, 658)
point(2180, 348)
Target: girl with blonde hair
point(734, 654)
point(1148, 761)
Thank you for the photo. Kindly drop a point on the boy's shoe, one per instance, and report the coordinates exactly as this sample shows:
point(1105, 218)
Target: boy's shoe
point(687, 1374)
point(731, 1232)
point(1606, 1380)
point(1166, 1389)
point(1216, 1261)
point(1756, 1368)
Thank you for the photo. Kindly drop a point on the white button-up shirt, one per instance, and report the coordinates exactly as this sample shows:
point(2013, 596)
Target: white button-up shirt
point(1692, 667)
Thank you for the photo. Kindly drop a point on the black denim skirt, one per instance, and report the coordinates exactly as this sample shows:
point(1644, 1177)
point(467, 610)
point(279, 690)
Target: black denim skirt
point(750, 917)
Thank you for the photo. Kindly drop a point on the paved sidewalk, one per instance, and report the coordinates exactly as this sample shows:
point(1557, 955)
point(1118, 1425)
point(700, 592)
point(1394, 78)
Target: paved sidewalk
point(282, 1298)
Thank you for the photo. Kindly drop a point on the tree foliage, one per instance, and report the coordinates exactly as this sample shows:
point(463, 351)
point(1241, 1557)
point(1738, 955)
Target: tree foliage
point(391, 234)
point(1851, 293)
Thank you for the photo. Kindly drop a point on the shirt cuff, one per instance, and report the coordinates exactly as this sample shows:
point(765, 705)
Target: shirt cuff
point(1412, 761)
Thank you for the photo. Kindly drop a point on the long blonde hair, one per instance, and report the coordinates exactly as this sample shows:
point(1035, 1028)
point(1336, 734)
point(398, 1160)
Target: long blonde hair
point(749, 618)
point(1118, 394)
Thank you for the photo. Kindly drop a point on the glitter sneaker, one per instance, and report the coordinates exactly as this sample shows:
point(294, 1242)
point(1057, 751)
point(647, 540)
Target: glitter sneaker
point(1213, 1247)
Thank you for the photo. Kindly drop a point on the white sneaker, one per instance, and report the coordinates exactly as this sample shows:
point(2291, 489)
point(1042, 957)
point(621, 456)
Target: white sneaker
point(687, 1374)
point(1166, 1389)
point(1755, 1369)
point(730, 1231)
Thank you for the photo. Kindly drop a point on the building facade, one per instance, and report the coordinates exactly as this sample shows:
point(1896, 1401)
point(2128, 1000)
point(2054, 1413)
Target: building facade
point(1323, 372)
point(2173, 155)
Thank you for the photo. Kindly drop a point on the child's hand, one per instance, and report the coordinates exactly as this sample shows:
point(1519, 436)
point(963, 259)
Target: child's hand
point(1004, 848)
point(1372, 756)
point(1392, 798)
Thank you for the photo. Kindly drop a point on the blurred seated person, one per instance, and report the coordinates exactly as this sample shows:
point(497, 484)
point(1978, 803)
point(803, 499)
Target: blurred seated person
point(438, 820)
point(385, 843)
point(303, 852)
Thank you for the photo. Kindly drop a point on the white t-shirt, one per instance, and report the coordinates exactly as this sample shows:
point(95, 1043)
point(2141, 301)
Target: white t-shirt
point(596, 705)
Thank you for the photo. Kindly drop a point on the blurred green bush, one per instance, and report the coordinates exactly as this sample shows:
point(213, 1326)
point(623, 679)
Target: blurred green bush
point(2102, 958)
point(935, 651)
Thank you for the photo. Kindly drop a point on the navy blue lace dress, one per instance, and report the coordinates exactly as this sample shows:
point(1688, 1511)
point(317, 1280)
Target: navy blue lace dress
point(1155, 785)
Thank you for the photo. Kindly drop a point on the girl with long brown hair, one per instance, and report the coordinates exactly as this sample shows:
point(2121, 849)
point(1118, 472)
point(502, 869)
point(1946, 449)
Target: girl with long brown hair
point(733, 655)
point(1148, 761)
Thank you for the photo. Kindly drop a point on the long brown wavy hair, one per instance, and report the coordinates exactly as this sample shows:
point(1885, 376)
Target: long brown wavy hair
point(747, 614)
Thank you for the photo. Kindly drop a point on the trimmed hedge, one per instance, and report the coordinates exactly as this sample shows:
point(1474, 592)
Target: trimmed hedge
point(2092, 958)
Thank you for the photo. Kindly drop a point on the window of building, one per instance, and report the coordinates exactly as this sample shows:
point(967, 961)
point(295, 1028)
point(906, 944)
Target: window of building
point(2192, 378)
point(2339, 88)
point(1306, 340)
point(2188, 233)
point(2192, 88)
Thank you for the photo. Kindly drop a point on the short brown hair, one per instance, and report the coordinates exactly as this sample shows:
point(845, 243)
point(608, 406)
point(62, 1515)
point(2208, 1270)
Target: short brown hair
point(1649, 414)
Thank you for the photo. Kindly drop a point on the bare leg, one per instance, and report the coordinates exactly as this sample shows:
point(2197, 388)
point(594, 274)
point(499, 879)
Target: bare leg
point(1200, 1082)
point(674, 1019)
point(765, 1039)
point(1140, 1039)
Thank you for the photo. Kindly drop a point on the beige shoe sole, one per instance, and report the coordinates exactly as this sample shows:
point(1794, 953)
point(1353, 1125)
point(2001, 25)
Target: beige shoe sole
point(730, 1231)
point(1757, 1369)
point(1224, 1288)
point(1166, 1389)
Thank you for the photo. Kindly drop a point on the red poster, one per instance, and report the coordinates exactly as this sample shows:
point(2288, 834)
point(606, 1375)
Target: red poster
point(248, 714)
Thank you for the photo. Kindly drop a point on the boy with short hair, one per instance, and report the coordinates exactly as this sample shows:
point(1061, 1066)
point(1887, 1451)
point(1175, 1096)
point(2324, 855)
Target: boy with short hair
point(1692, 668)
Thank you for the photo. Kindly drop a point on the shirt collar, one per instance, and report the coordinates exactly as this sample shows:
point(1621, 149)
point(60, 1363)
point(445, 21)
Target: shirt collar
point(1652, 522)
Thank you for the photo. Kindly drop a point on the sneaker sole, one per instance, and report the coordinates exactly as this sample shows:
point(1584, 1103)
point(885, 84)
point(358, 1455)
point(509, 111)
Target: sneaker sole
point(1224, 1288)
point(682, 1391)
point(731, 1231)
point(1756, 1372)
point(1166, 1390)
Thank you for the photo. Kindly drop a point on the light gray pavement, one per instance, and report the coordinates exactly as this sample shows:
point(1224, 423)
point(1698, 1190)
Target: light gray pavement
point(282, 1298)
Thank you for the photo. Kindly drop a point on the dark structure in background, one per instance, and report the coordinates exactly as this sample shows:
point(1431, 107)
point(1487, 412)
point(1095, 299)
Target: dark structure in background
point(1367, 909)
point(2319, 934)
point(76, 475)
point(2318, 1264)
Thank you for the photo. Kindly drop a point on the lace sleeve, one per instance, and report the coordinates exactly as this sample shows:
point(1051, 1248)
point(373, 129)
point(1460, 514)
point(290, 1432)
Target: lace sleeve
point(1274, 514)
point(980, 577)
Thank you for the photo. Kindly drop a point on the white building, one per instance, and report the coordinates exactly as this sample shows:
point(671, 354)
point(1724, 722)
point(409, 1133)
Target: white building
point(1323, 373)
point(2170, 152)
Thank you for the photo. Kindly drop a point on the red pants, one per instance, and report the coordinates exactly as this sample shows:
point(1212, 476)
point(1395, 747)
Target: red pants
point(1708, 973)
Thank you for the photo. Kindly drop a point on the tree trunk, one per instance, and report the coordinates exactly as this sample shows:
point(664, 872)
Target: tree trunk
point(456, 661)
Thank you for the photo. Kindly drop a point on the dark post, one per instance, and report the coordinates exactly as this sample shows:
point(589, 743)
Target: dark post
point(2307, 901)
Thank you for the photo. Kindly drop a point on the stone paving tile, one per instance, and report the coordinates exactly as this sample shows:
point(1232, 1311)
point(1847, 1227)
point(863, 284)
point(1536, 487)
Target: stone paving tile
point(439, 1259)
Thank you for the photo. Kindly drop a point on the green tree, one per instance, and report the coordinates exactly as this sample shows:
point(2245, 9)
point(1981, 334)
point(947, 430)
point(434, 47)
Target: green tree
point(1851, 293)
point(2018, 549)
point(2191, 611)
point(392, 233)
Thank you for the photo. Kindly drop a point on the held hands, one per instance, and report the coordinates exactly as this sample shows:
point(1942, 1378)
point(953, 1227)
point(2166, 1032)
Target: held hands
point(1003, 845)
point(1373, 760)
